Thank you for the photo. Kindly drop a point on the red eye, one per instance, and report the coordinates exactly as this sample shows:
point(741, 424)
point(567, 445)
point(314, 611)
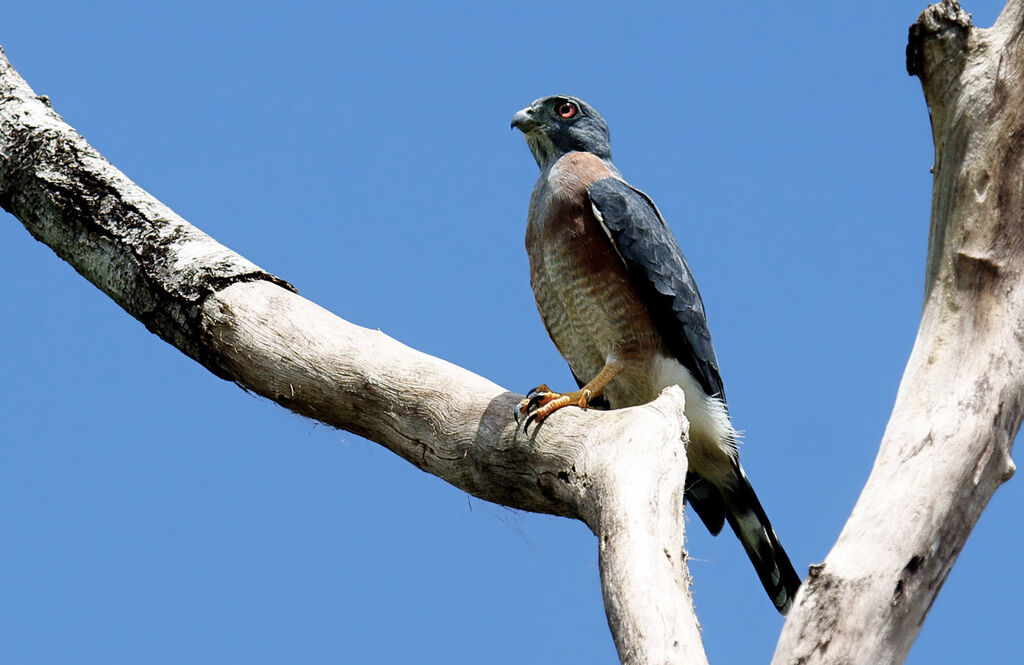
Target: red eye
point(567, 110)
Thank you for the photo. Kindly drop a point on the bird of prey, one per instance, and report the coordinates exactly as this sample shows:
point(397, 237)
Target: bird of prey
point(621, 305)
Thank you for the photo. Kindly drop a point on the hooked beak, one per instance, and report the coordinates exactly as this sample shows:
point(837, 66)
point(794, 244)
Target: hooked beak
point(524, 121)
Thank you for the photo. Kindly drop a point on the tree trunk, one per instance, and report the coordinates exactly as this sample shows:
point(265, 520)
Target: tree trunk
point(945, 451)
point(947, 446)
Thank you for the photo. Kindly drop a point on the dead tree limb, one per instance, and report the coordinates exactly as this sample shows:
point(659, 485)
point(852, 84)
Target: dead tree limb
point(621, 472)
point(960, 404)
point(944, 453)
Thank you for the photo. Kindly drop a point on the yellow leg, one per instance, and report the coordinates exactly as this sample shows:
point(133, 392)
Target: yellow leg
point(542, 402)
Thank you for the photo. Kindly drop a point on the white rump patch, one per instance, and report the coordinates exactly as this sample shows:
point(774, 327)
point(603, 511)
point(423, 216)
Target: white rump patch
point(708, 416)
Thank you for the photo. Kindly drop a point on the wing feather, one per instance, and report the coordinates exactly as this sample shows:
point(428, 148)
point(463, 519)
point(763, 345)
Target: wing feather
point(660, 274)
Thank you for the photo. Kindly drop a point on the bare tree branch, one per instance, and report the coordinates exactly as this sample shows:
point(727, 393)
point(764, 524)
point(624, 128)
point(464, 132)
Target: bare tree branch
point(621, 472)
point(960, 404)
point(944, 453)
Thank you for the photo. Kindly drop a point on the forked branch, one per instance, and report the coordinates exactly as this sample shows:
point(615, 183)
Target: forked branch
point(250, 327)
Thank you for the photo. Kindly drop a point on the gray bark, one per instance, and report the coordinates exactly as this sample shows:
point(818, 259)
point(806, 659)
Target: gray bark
point(621, 472)
point(947, 445)
point(944, 453)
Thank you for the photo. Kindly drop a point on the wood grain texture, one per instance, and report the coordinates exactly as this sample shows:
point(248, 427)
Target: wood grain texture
point(944, 453)
point(947, 446)
point(622, 472)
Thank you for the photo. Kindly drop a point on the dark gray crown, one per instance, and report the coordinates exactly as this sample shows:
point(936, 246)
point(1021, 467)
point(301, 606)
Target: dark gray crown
point(550, 134)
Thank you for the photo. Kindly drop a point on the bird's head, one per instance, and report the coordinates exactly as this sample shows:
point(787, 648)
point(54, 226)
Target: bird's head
point(559, 124)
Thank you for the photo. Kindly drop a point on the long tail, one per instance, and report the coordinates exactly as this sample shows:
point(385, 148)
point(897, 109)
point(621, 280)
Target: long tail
point(747, 518)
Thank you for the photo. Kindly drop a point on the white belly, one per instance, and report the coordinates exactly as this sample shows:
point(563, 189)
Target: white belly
point(712, 436)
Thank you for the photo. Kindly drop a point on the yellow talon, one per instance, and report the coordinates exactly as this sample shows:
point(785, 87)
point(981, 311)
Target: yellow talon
point(542, 402)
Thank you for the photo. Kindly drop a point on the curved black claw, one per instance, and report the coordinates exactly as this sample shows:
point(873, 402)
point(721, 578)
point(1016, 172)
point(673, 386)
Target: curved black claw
point(529, 419)
point(535, 401)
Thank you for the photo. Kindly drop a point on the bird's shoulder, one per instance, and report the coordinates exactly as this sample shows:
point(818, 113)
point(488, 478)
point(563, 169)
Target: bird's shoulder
point(561, 193)
point(573, 173)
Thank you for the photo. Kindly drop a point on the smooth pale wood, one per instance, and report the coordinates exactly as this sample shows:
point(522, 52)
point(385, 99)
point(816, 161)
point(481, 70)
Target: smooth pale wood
point(641, 523)
point(947, 445)
point(944, 453)
point(622, 472)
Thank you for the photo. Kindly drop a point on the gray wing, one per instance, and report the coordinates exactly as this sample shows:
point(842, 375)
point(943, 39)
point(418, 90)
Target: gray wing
point(659, 272)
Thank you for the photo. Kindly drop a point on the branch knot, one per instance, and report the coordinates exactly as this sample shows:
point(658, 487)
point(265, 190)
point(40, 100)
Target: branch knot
point(939, 35)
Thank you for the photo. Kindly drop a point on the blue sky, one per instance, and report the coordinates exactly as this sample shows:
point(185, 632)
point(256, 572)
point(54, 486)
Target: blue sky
point(153, 513)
